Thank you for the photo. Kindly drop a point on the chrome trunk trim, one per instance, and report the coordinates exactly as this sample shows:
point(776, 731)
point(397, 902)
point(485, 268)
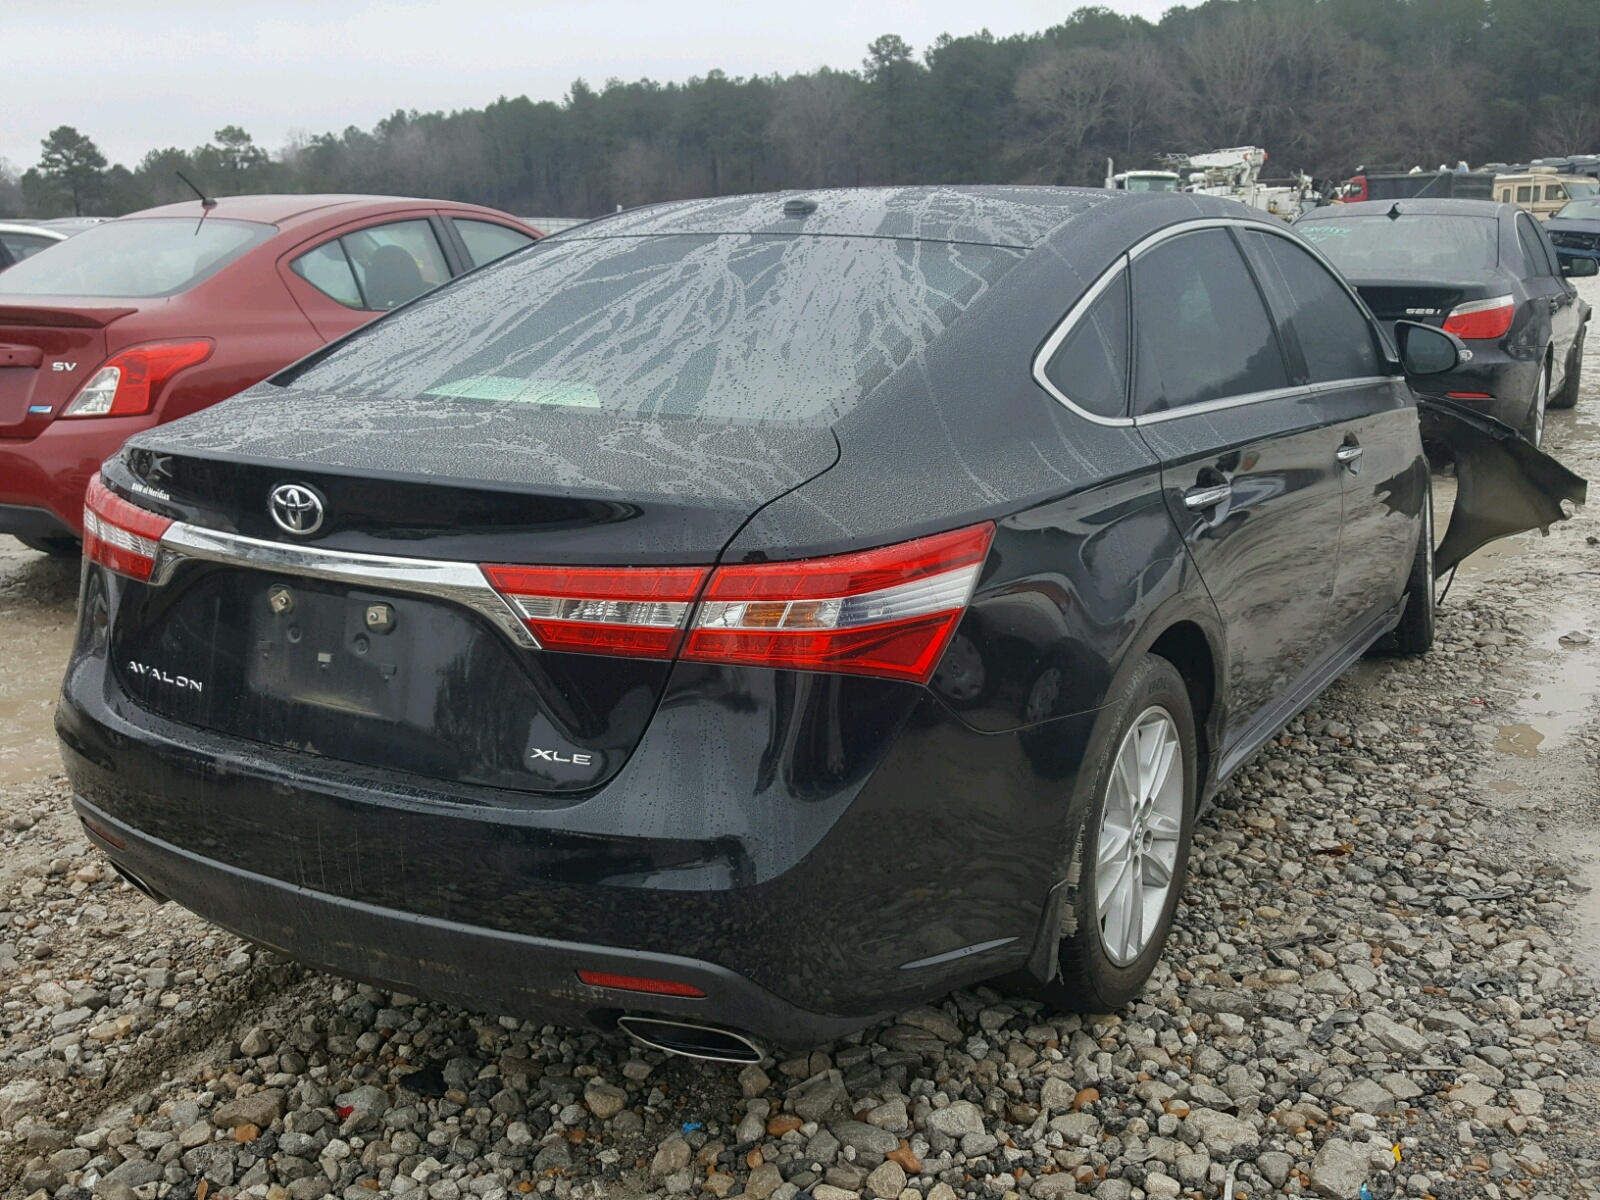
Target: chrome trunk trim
point(455, 582)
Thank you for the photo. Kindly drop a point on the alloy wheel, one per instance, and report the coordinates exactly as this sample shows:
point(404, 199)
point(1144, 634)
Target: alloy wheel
point(1140, 825)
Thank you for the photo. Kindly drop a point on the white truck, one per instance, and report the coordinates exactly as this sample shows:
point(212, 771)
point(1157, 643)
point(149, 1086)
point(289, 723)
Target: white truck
point(1141, 181)
point(1236, 173)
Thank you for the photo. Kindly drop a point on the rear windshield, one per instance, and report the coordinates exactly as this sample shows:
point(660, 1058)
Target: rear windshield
point(1404, 245)
point(155, 256)
point(724, 328)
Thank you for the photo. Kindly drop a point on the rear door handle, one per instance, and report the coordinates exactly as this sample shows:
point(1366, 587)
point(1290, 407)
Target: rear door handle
point(1347, 454)
point(1210, 496)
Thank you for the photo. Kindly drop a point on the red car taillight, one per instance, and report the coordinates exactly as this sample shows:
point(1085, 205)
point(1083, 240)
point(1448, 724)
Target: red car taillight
point(132, 379)
point(1481, 319)
point(887, 612)
point(121, 537)
point(635, 611)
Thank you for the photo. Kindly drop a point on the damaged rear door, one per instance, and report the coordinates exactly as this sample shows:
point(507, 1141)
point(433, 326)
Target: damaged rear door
point(1504, 484)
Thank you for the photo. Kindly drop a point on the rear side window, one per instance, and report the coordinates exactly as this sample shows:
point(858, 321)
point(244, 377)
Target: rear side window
point(1533, 253)
point(1203, 332)
point(729, 327)
point(1334, 335)
point(378, 268)
point(136, 259)
point(1090, 367)
point(25, 245)
point(487, 241)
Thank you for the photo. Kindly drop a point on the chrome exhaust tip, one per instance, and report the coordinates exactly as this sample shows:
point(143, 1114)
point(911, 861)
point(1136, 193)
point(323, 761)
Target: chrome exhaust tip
point(138, 883)
point(691, 1039)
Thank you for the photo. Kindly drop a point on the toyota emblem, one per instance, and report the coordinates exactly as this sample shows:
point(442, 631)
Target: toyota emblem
point(295, 508)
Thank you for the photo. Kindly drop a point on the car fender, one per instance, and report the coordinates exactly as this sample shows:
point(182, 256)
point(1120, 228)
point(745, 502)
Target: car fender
point(1504, 484)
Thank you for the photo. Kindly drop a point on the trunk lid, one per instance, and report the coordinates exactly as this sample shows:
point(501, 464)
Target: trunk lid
point(47, 352)
point(438, 686)
point(1429, 301)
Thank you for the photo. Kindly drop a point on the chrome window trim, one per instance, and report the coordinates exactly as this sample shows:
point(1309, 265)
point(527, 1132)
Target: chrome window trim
point(455, 582)
point(1223, 403)
point(1060, 334)
point(1125, 263)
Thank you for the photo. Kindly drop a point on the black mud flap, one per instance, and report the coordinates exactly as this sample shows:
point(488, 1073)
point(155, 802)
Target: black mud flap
point(1504, 483)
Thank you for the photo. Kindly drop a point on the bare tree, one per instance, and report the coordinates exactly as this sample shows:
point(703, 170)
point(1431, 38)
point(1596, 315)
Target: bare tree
point(816, 128)
point(1567, 128)
point(1066, 94)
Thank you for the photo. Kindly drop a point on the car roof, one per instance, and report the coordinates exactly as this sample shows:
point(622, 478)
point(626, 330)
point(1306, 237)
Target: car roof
point(1019, 216)
point(286, 211)
point(1419, 207)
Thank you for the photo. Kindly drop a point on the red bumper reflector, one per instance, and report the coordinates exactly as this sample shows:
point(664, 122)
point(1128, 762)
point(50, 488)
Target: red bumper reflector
point(633, 983)
point(105, 835)
point(120, 536)
point(1469, 396)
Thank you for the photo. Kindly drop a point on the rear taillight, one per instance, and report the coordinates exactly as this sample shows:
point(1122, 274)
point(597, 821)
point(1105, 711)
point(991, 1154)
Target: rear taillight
point(635, 611)
point(132, 379)
point(121, 537)
point(887, 612)
point(1480, 319)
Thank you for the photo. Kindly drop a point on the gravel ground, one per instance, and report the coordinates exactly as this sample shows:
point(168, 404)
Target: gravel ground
point(1383, 976)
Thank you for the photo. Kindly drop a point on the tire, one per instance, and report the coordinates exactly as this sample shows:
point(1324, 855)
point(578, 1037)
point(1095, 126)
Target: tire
point(55, 547)
point(1102, 967)
point(1533, 426)
point(1567, 397)
point(1414, 634)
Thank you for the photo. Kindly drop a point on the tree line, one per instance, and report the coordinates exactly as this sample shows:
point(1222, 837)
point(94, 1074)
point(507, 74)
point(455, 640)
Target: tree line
point(1323, 85)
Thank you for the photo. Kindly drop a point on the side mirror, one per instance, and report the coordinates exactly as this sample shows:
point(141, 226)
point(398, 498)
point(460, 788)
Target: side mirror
point(1579, 268)
point(1425, 350)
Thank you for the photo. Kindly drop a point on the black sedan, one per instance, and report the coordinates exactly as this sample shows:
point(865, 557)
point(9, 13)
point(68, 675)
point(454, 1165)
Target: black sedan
point(1575, 231)
point(1483, 271)
point(746, 618)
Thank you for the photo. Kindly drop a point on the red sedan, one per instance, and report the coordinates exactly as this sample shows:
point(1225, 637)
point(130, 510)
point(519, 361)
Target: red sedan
point(148, 318)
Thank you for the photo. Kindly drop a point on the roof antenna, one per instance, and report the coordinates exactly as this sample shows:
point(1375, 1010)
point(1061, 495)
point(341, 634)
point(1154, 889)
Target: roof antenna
point(1393, 214)
point(206, 202)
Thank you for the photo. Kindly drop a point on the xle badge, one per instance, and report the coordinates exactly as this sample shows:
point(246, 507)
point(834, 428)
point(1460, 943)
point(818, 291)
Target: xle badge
point(555, 756)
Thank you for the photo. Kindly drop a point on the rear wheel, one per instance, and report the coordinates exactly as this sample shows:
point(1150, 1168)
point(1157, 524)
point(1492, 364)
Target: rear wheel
point(55, 547)
point(1414, 634)
point(1133, 847)
point(1567, 397)
point(1533, 427)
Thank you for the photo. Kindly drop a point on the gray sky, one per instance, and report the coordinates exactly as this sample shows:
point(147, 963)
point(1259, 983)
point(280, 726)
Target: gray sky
point(140, 74)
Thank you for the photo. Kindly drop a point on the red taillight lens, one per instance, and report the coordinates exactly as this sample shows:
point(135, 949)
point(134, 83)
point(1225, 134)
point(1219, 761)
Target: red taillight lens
point(132, 379)
point(1481, 319)
point(887, 612)
point(120, 536)
point(636, 611)
point(634, 983)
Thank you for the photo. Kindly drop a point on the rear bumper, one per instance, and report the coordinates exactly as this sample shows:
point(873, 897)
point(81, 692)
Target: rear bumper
point(446, 960)
point(50, 472)
point(1493, 384)
point(23, 520)
point(807, 894)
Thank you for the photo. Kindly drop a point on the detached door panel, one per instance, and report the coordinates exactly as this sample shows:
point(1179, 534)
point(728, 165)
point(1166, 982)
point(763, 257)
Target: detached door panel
point(1247, 460)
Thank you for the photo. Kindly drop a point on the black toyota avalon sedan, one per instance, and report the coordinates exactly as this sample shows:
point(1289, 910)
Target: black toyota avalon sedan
point(742, 619)
point(1483, 271)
